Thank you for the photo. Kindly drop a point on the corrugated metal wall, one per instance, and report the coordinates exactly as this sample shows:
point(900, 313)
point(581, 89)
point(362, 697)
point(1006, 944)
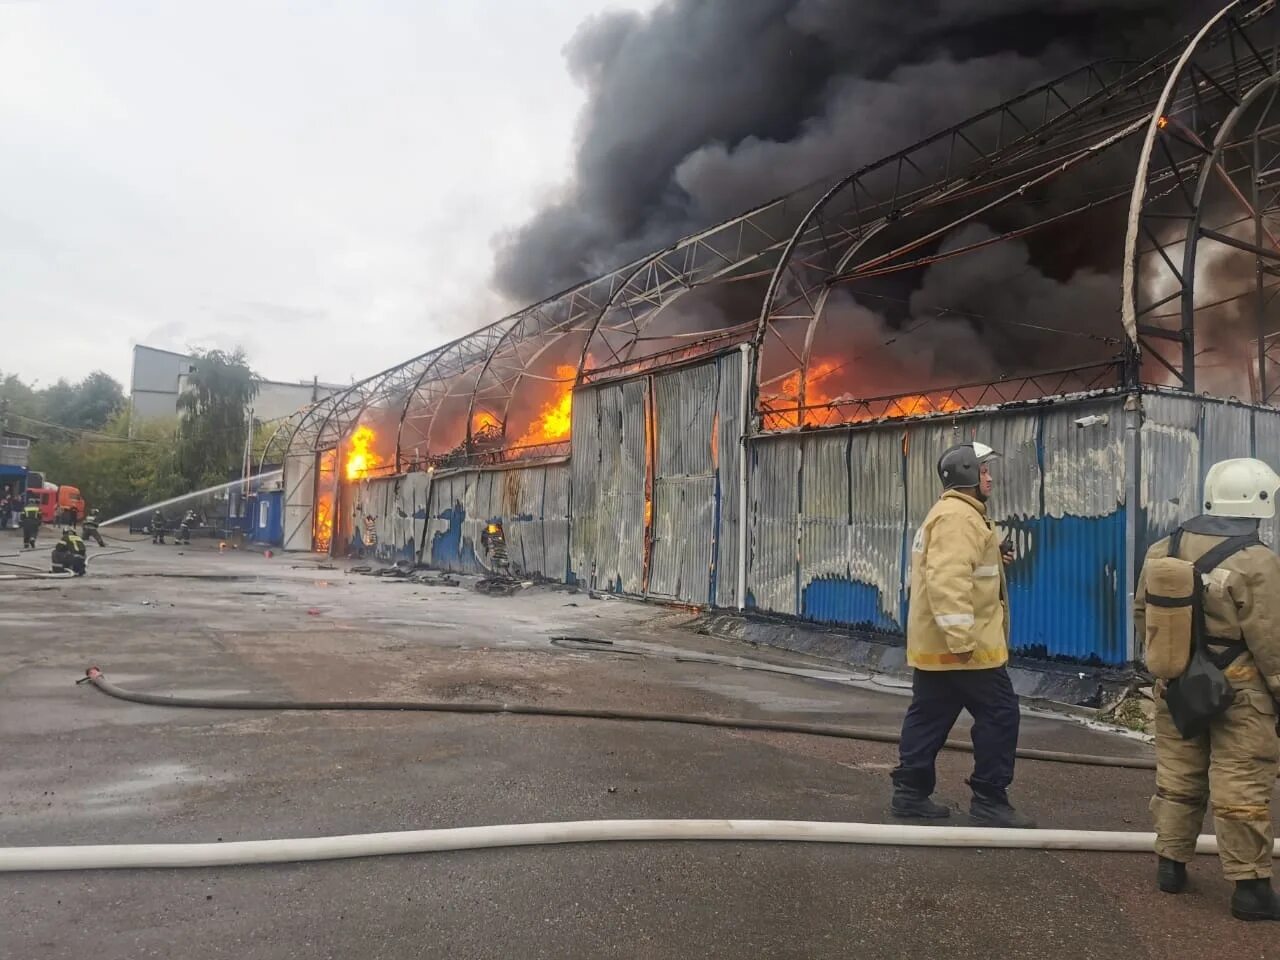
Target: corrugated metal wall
point(772, 551)
point(299, 500)
point(1069, 585)
point(833, 513)
point(697, 428)
point(607, 473)
point(531, 503)
point(584, 485)
point(728, 446)
point(1169, 475)
point(684, 484)
point(1182, 437)
point(1266, 446)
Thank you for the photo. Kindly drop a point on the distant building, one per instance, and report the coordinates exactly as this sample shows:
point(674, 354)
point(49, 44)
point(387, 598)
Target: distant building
point(160, 376)
point(15, 454)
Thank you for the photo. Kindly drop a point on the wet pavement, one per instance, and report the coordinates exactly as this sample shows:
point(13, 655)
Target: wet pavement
point(79, 767)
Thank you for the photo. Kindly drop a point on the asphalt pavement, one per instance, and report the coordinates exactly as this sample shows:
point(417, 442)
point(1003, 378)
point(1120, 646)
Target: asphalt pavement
point(78, 767)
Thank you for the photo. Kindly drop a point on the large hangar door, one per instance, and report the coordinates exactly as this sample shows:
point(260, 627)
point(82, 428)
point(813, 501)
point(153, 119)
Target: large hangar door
point(685, 494)
point(608, 472)
point(299, 500)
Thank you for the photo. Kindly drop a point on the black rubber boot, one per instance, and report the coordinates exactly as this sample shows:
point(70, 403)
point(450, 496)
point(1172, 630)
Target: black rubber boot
point(1171, 876)
point(910, 805)
point(990, 808)
point(1255, 900)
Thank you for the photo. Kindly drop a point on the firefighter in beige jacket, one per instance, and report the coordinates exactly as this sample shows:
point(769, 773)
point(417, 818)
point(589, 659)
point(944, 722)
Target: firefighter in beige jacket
point(958, 643)
point(959, 616)
point(1234, 763)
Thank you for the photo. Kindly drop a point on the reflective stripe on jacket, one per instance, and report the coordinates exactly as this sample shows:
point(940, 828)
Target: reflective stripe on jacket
point(959, 601)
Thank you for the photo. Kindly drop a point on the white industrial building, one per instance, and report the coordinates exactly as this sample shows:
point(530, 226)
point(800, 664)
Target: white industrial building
point(160, 376)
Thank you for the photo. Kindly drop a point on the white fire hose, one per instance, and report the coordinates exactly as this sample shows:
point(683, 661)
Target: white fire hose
point(300, 849)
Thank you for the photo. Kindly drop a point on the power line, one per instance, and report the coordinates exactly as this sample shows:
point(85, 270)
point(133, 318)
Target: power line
point(79, 432)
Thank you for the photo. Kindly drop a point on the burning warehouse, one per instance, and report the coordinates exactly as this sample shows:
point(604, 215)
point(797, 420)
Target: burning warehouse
point(1081, 275)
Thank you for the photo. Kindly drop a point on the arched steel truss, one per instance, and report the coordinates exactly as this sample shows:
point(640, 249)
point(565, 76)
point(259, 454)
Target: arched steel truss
point(1188, 143)
point(978, 164)
point(814, 239)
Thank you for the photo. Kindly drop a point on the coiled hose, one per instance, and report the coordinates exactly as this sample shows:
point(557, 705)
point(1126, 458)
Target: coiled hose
point(95, 676)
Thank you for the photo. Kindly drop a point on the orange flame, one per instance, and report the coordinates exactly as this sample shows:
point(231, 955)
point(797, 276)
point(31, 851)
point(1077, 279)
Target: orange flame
point(918, 404)
point(553, 422)
point(360, 458)
point(817, 396)
point(322, 527)
point(483, 421)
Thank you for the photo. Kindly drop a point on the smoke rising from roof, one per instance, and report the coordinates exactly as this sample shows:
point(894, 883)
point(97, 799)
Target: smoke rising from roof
point(707, 107)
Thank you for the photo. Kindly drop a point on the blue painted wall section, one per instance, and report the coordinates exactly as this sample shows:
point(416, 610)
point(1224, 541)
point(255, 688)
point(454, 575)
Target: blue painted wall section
point(1067, 595)
point(840, 600)
point(449, 550)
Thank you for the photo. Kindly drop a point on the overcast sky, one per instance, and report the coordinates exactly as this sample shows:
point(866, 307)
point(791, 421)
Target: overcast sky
point(319, 182)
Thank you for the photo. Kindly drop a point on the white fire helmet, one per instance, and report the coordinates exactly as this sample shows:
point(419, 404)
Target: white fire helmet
point(1241, 488)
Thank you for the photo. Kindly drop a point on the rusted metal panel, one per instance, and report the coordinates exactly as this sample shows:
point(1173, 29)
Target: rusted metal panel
point(728, 443)
point(772, 551)
point(1169, 478)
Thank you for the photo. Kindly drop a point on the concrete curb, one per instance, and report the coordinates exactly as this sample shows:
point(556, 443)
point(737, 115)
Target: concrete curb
point(1086, 691)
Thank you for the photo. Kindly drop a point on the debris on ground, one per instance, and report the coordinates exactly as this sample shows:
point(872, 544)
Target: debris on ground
point(1135, 711)
point(501, 586)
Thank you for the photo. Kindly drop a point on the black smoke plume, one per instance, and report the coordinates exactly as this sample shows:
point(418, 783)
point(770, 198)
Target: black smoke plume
point(704, 108)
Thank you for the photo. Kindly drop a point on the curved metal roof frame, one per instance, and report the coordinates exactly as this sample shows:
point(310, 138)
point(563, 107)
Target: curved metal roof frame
point(535, 331)
point(1215, 72)
point(1261, 207)
point(612, 312)
point(980, 154)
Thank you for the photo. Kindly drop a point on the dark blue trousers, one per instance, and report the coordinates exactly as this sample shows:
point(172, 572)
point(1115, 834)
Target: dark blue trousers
point(937, 697)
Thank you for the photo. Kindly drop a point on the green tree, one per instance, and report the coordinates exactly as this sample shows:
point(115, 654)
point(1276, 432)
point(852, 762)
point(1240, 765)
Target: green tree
point(213, 417)
point(89, 404)
point(113, 472)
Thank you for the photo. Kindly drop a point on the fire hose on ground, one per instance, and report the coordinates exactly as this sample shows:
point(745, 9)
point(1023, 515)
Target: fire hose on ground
point(95, 677)
point(306, 849)
point(303, 849)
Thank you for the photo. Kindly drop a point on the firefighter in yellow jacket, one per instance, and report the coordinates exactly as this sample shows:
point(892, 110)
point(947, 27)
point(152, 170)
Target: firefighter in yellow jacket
point(958, 645)
point(1234, 763)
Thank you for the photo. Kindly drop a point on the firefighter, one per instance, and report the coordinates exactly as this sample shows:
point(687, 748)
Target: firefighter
point(1233, 764)
point(68, 554)
point(157, 527)
point(958, 645)
point(184, 528)
point(30, 525)
point(90, 528)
